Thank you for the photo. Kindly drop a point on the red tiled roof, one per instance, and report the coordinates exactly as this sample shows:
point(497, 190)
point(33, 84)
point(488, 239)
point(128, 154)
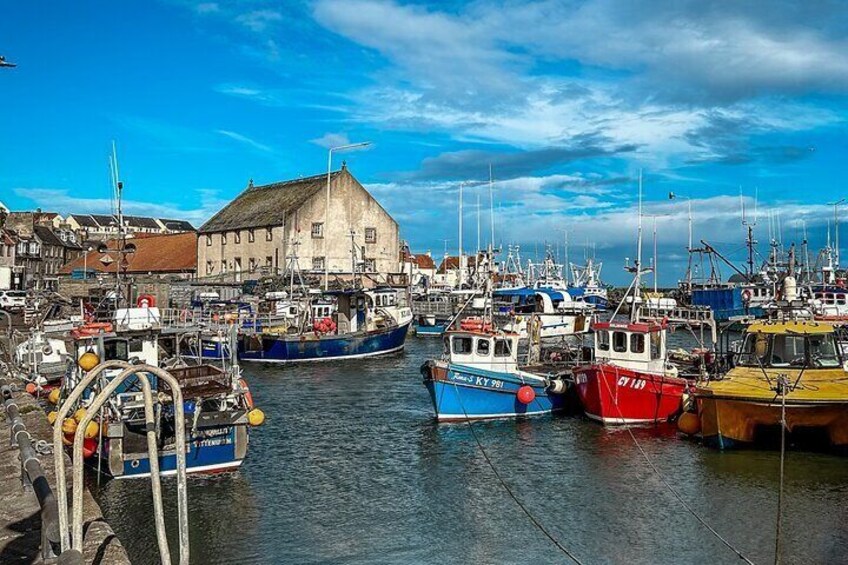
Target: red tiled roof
point(173, 253)
point(422, 260)
point(451, 263)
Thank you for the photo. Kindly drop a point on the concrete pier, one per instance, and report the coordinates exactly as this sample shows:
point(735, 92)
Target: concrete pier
point(20, 516)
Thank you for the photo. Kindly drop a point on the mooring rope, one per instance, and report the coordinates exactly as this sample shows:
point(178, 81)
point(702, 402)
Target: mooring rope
point(781, 383)
point(512, 495)
point(668, 485)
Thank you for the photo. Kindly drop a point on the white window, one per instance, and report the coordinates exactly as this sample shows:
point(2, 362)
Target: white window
point(237, 236)
point(370, 265)
point(317, 230)
point(370, 235)
point(251, 236)
point(269, 234)
point(317, 263)
point(210, 266)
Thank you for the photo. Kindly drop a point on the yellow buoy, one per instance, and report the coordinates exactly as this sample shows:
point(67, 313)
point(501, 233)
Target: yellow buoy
point(69, 426)
point(79, 415)
point(88, 361)
point(91, 430)
point(689, 423)
point(53, 397)
point(256, 417)
point(51, 417)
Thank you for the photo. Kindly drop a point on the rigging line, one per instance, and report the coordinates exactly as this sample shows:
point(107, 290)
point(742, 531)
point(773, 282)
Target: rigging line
point(782, 461)
point(668, 485)
point(506, 487)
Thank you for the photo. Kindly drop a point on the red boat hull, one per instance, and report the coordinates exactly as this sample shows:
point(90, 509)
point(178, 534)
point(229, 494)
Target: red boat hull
point(615, 395)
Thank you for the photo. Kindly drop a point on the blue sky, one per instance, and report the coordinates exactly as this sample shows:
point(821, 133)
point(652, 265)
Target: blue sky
point(566, 101)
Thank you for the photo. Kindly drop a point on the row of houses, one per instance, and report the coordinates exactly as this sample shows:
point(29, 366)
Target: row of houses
point(328, 226)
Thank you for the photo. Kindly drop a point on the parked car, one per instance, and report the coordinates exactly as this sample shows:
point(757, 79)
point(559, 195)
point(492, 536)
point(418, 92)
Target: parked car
point(12, 299)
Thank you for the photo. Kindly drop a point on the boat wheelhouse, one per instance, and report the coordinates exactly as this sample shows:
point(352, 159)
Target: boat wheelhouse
point(480, 378)
point(557, 312)
point(830, 303)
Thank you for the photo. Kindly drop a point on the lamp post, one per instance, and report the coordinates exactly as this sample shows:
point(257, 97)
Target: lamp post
point(88, 250)
point(836, 227)
point(327, 207)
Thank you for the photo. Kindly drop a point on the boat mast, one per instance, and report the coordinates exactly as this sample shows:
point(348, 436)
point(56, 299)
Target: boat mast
point(492, 205)
point(461, 185)
point(638, 280)
point(118, 188)
point(655, 255)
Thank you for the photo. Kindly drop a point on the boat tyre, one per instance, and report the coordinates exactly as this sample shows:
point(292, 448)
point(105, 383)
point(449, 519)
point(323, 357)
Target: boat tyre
point(557, 386)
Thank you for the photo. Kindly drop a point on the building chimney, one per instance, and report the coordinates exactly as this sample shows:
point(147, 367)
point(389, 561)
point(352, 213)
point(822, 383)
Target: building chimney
point(344, 165)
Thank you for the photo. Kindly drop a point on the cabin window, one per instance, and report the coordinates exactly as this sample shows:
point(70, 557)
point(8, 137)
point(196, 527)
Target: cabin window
point(656, 345)
point(754, 349)
point(637, 343)
point(787, 351)
point(502, 348)
point(619, 342)
point(317, 230)
point(823, 351)
point(603, 340)
point(136, 345)
point(840, 299)
point(370, 235)
point(116, 350)
point(462, 345)
point(483, 347)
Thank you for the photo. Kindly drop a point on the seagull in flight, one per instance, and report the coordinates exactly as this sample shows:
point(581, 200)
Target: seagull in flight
point(5, 63)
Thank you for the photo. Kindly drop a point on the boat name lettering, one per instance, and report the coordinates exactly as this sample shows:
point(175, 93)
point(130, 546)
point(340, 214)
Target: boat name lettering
point(632, 382)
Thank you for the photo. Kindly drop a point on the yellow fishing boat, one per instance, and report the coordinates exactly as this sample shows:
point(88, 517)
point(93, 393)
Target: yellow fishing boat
point(796, 365)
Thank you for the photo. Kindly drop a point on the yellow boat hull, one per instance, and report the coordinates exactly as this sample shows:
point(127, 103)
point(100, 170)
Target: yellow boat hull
point(728, 422)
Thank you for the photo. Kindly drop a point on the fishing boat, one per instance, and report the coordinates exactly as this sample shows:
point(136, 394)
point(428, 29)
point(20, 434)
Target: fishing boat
point(217, 402)
point(362, 323)
point(558, 314)
point(792, 365)
point(829, 303)
point(480, 378)
point(630, 381)
point(586, 284)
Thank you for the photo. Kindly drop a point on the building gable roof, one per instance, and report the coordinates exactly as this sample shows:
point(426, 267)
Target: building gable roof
point(84, 220)
point(47, 236)
point(183, 225)
point(266, 205)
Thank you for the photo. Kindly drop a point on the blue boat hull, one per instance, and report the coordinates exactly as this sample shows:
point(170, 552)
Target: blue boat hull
point(430, 331)
point(301, 348)
point(204, 455)
point(599, 302)
point(461, 393)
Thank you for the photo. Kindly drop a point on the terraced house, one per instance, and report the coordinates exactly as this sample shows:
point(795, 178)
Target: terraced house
point(256, 232)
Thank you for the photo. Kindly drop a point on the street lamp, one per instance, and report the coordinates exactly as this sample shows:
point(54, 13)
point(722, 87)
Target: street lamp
point(836, 225)
point(327, 207)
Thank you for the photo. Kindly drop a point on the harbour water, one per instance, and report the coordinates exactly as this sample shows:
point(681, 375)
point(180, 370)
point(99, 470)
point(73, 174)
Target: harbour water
point(351, 468)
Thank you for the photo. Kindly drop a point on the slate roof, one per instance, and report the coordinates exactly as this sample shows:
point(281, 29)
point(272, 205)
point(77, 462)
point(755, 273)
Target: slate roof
point(103, 220)
point(84, 220)
point(172, 253)
point(141, 222)
point(47, 236)
point(181, 225)
point(265, 205)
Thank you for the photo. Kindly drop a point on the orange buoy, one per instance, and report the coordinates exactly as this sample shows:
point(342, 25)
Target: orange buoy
point(32, 388)
point(689, 423)
point(526, 394)
point(247, 396)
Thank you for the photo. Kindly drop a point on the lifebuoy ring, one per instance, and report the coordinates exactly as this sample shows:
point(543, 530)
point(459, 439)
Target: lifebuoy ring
point(746, 295)
point(145, 301)
point(247, 396)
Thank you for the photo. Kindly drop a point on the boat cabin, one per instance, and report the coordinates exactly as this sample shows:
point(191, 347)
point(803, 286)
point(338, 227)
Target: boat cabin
point(637, 346)
point(830, 302)
point(807, 345)
point(496, 352)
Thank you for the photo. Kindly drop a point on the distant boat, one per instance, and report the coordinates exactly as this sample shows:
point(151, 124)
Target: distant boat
point(482, 379)
point(558, 313)
point(364, 323)
point(586, 284)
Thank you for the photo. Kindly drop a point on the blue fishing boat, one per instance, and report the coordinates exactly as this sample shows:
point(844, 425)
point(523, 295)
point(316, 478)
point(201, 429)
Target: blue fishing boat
point(482, 380)
point(364, 323)
point(586, 284)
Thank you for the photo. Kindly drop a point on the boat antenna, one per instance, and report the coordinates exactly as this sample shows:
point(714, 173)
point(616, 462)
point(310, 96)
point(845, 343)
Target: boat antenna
point(492, 204)
point(638, 250)
point(655, 255)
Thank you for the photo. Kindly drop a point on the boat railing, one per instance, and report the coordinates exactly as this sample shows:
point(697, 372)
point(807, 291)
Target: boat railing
point(72, 540)
point(691, 315)
point(432, 308)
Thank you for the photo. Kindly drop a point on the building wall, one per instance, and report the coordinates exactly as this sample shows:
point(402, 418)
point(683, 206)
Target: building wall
point(350, 206)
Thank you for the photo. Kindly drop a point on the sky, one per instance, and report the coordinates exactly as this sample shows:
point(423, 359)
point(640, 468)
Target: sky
point(722, 103)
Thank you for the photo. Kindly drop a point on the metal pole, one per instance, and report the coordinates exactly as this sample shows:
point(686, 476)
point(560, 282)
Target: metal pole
point(326, 221)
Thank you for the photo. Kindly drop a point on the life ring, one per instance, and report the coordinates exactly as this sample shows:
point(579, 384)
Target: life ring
point(746, 295)
point(247, 396)
point(145, 301)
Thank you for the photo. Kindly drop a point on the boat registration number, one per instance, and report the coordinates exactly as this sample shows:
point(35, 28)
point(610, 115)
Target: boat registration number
point(476, 381)
point(632, 382)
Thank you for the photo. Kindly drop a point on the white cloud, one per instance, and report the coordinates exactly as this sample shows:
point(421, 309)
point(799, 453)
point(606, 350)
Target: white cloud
point(245, 140)
point(331, 140)
point(259, 21)
point(207, 8)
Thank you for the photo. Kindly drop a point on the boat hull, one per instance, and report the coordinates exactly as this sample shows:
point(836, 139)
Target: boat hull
point(213, 453)
point(616, 395)
point(436, 330)
point(733, 423)
point(462, 393)
point(287, 349)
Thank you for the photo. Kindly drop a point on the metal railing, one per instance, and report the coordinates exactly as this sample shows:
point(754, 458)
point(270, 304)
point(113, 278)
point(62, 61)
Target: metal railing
point(32, 474)
point(140, 372)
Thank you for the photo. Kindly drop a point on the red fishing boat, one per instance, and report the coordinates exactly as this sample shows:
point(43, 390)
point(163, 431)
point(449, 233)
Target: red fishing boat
point(630, 381)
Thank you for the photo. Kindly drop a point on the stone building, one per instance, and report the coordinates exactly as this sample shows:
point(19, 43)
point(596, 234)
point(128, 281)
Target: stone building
point(257, 231)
